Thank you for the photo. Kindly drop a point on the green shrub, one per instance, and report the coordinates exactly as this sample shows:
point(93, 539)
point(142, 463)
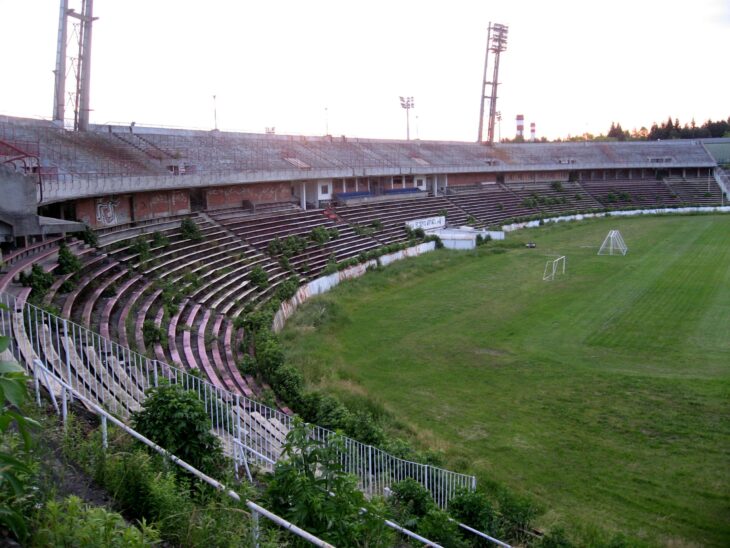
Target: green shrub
point(73, 523)
point(38, 280)
point(288, 384)
point(319, 235)
point(275, 246)
point(376, 225)
point(435, 238)
point(68, 263)
point(285, 264)
point(557, 186)
point(191, 280)
point(159, 239)
point(177, 420)
point(287, 288)
point(259, 277)
point(141, 247)
point(437, 527)
point(153, 334)
point(310, 488)
point(331, 266)
point(89, 237)
point(269, 353)
point(247, 365)
point(16, 466)
point(419, 233)
point(518, 513)
point(411, 499)
point(190, 230)
point(474, 509)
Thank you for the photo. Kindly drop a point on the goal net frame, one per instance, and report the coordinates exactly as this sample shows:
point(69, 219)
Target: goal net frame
point(613, 244)
point(553, 268)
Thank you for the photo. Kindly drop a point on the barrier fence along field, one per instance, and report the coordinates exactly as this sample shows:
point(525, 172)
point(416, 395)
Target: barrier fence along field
point(116, 378)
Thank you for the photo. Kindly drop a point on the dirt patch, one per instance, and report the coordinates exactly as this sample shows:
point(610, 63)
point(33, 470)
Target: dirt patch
point(489, 352)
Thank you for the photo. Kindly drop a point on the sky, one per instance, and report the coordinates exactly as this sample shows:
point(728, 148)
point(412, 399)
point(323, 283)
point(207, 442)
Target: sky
point(323, 66)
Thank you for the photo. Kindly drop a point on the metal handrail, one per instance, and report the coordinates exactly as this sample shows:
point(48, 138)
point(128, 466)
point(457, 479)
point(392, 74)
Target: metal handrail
point(40, 369)
point(116, 377)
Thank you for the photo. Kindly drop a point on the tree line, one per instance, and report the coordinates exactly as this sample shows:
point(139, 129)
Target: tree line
point(672, 128)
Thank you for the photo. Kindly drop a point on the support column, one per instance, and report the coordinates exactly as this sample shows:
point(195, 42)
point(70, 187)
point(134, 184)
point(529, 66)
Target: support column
point(303, 195)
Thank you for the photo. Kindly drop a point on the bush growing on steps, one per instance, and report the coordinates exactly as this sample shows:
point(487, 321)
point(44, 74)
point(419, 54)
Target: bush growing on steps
point(68, 263)
point(159, 239)
point(177, 420)
point(259, 277)
point(153, 334)
point(89, 237)
point(190, 230)
point(141, 247)
point(38, 280)
point(287, 288)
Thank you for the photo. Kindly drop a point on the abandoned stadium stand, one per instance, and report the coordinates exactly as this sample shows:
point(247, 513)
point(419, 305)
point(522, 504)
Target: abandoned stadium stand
point(245, 191)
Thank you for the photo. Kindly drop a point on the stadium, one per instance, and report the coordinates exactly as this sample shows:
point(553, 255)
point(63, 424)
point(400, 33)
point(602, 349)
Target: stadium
point(178, 238)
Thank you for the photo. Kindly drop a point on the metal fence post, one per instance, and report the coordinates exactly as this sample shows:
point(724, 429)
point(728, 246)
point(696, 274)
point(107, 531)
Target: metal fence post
point(104, 440)
point(68, 358)
point(64, 408)
point(370, 470)
point(255, 528)
point(37, 382)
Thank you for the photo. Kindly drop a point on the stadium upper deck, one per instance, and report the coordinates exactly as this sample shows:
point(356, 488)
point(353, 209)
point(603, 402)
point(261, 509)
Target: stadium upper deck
point(178, 170)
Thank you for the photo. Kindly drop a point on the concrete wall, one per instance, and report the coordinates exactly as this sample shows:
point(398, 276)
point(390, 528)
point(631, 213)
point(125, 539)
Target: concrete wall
point(18, 192)
point(262, 193)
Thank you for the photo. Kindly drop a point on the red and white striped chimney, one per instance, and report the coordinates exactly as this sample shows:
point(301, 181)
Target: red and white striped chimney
point(520, 125)
point(532, 131)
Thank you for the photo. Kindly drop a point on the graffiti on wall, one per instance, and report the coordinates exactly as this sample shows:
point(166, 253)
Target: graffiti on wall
point(106, 211)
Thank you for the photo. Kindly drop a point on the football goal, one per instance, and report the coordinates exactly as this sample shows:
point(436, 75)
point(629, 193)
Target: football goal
point(554, 268)
point(613, 244)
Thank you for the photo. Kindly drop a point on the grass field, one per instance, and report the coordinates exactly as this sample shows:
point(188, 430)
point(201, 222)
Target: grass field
point(604, 394)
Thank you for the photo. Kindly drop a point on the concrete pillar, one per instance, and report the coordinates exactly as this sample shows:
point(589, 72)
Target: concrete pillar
point(303, 195)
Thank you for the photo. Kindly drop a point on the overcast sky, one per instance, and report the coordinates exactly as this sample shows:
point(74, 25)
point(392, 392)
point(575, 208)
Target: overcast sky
point(309, 66)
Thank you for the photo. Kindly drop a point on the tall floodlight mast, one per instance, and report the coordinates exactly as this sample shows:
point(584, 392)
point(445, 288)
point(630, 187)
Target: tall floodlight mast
point(496, 44)
point(407, 103)
point(82, 70)
point(59, 90)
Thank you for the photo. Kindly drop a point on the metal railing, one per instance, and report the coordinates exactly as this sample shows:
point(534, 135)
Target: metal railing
point(42, 375)
point(116, 378)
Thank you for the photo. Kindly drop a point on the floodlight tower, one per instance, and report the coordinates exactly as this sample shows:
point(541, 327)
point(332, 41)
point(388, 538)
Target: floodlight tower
point(82, 69)
point(496, 44)
point(407, 103)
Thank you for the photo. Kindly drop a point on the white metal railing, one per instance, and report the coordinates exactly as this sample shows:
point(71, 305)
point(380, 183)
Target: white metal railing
point(116, 378)
point(53, 383)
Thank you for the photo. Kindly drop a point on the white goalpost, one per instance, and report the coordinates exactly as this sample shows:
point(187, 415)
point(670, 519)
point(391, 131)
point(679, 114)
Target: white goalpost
point(553, 268)
point(613, 244)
